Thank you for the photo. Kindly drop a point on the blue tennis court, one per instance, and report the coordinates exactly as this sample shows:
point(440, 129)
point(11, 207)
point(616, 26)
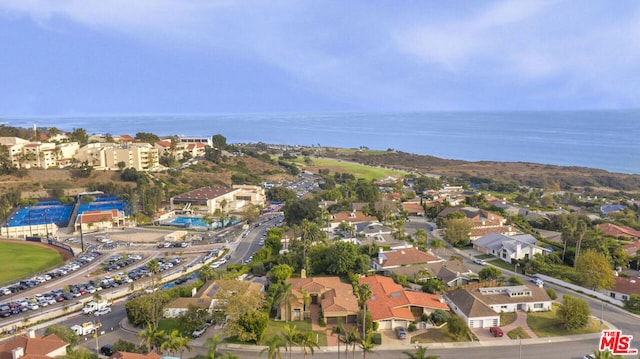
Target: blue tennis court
point(100, 204)
point(42, 213)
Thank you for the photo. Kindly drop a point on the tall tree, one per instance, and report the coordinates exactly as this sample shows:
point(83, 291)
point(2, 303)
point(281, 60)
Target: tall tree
point(272, 347)
point(290, 335)
point(420, 353)
point(367, 345)
point(284, 295)
point(308, 343)
point(152, 337)
point(595, 270)
point(574, 312)
point(457, 231)
point(212, 347)
point(364, 294)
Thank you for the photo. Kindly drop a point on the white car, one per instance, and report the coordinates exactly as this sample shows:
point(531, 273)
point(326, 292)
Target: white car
point(479, 261)
point(537, 281)
point(198, 332)
point(102, 311)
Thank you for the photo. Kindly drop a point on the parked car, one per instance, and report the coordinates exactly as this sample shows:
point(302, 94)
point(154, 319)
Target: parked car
point(479, 261)
point(496, 331)
point(537, 281)
point(103, 311)
point(198, 332)
point(107, 350)
point(401, 333)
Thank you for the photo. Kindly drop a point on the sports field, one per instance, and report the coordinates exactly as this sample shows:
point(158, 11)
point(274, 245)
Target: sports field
point(22, 259)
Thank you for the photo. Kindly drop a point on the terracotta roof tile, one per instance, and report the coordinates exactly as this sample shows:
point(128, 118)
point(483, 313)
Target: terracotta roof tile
point(390, 300)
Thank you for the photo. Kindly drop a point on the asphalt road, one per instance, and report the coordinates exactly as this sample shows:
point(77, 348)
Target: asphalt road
point(576, 347)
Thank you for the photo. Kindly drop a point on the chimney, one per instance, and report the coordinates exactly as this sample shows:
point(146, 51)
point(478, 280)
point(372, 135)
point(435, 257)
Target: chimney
point(31, 333)
point(17, 353)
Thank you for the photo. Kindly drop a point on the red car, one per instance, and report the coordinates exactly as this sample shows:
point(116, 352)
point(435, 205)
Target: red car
point(496, 331)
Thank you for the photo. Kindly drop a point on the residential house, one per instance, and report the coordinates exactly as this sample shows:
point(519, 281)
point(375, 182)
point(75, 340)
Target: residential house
point(614, 230)
point(509, 248)
point(481, 307)
point(482, 221)
point(392, 306)
point(32, 346)
point(610, 208)
point(399, 257)
point(623, 288)
point(208, 296)
point(334, 297)
point(632, 248)
point(413, 208)
point(353, 217)
point(453, 273)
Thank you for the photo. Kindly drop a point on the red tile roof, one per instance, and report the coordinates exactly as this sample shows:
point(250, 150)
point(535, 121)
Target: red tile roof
point(406, 256)
point(632, 248)
point(99, 216)
point(611, 229)
point(626, 285)
point(164, 143)
point(389, 300)
point(413, 207)
point(36, 347)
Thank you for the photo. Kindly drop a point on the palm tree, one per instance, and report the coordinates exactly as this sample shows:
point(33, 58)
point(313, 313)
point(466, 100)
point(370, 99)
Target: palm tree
point(350, 338)
point(285, 295)
point(420, 353)
point(212, 347)
point(175, 342)
point(436, 244)
point(308, 342)
point(364, 294)
point(291, 334)
point(606, 354)
point(339, 329)
point(366, 345)
point(151, 337)
point(274, 343)
point(421, 236)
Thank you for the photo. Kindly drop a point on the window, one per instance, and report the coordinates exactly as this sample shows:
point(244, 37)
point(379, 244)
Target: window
point(538, 306)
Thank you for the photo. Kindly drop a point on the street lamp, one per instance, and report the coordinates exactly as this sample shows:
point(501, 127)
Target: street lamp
point(97, 326)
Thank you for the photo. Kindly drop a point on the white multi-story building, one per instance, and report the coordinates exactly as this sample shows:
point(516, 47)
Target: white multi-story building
point(141, 156)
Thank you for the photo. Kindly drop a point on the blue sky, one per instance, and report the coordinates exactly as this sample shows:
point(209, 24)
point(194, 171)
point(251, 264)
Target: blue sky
point(220, 56)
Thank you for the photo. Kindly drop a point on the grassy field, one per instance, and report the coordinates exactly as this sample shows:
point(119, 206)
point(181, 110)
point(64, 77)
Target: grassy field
point(22, 259)
point(547, 324)
point(277, 327)
point(358, 170)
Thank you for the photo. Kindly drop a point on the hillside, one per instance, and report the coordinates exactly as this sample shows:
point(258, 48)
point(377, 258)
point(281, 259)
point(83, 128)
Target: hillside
point(528, 174)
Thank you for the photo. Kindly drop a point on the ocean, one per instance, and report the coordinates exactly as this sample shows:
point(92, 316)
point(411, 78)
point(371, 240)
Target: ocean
point(606, 140)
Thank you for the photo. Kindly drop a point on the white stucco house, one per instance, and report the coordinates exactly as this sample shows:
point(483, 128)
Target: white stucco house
point(508, 248)
point(481, 307)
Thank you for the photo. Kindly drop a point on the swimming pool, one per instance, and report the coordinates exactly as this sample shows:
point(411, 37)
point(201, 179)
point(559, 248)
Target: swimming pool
point(182, 221)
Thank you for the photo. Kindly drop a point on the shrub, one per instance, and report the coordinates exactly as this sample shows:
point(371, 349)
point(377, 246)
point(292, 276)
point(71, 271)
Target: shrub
point(321, 322)
point(552, 293)
point(412, 327)
point(376, 338)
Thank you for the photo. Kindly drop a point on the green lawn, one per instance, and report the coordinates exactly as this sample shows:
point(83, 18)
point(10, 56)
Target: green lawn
point(276, 327)
point(547, 324)
point(507, 318)
point(23, 259)
point(437, 335)
point(518, 333)
point(358, 170)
